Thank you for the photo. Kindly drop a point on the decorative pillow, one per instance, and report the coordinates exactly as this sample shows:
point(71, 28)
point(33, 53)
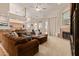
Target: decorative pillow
point(14, 34)
point(20, 32)
point(11, 35)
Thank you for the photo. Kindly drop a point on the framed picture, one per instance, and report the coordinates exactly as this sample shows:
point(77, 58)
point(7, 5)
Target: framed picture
point(66, 17)
point(4, 22)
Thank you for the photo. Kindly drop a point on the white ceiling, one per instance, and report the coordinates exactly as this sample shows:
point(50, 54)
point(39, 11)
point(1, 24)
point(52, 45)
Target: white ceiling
point(47, 9)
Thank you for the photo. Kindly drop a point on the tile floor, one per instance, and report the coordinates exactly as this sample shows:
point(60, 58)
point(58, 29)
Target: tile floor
point(55, 47)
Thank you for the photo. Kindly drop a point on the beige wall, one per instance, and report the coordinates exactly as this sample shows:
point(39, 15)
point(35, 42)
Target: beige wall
point(4, 8)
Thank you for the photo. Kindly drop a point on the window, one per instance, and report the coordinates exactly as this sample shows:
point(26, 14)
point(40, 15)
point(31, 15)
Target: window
point(28, 23)
point(4, 22)
point(66, 18)
point(46, 26)
point(35, 26)
point(40, 25)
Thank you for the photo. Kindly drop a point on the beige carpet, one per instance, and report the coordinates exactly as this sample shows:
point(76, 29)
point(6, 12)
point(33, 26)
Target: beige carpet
point(55, 47)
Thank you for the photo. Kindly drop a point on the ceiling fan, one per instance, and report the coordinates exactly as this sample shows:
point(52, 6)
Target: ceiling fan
point(38, 8)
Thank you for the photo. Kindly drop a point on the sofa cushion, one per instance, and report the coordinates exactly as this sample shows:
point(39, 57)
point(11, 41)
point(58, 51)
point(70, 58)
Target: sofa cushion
point(21, 41)
point(15, 34)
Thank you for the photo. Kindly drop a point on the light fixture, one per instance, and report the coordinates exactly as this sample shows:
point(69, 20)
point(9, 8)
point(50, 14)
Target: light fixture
point(38, 9)
point(45, 32)
point(35, 24)
point(28, 19)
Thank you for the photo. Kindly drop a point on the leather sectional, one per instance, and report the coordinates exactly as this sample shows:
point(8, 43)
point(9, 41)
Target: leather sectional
point(20, 46)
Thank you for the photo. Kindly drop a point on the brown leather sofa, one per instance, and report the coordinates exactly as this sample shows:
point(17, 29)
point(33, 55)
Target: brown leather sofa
point(41, 38)
point(19, 47)
point(8, 44)
point(28, 49)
